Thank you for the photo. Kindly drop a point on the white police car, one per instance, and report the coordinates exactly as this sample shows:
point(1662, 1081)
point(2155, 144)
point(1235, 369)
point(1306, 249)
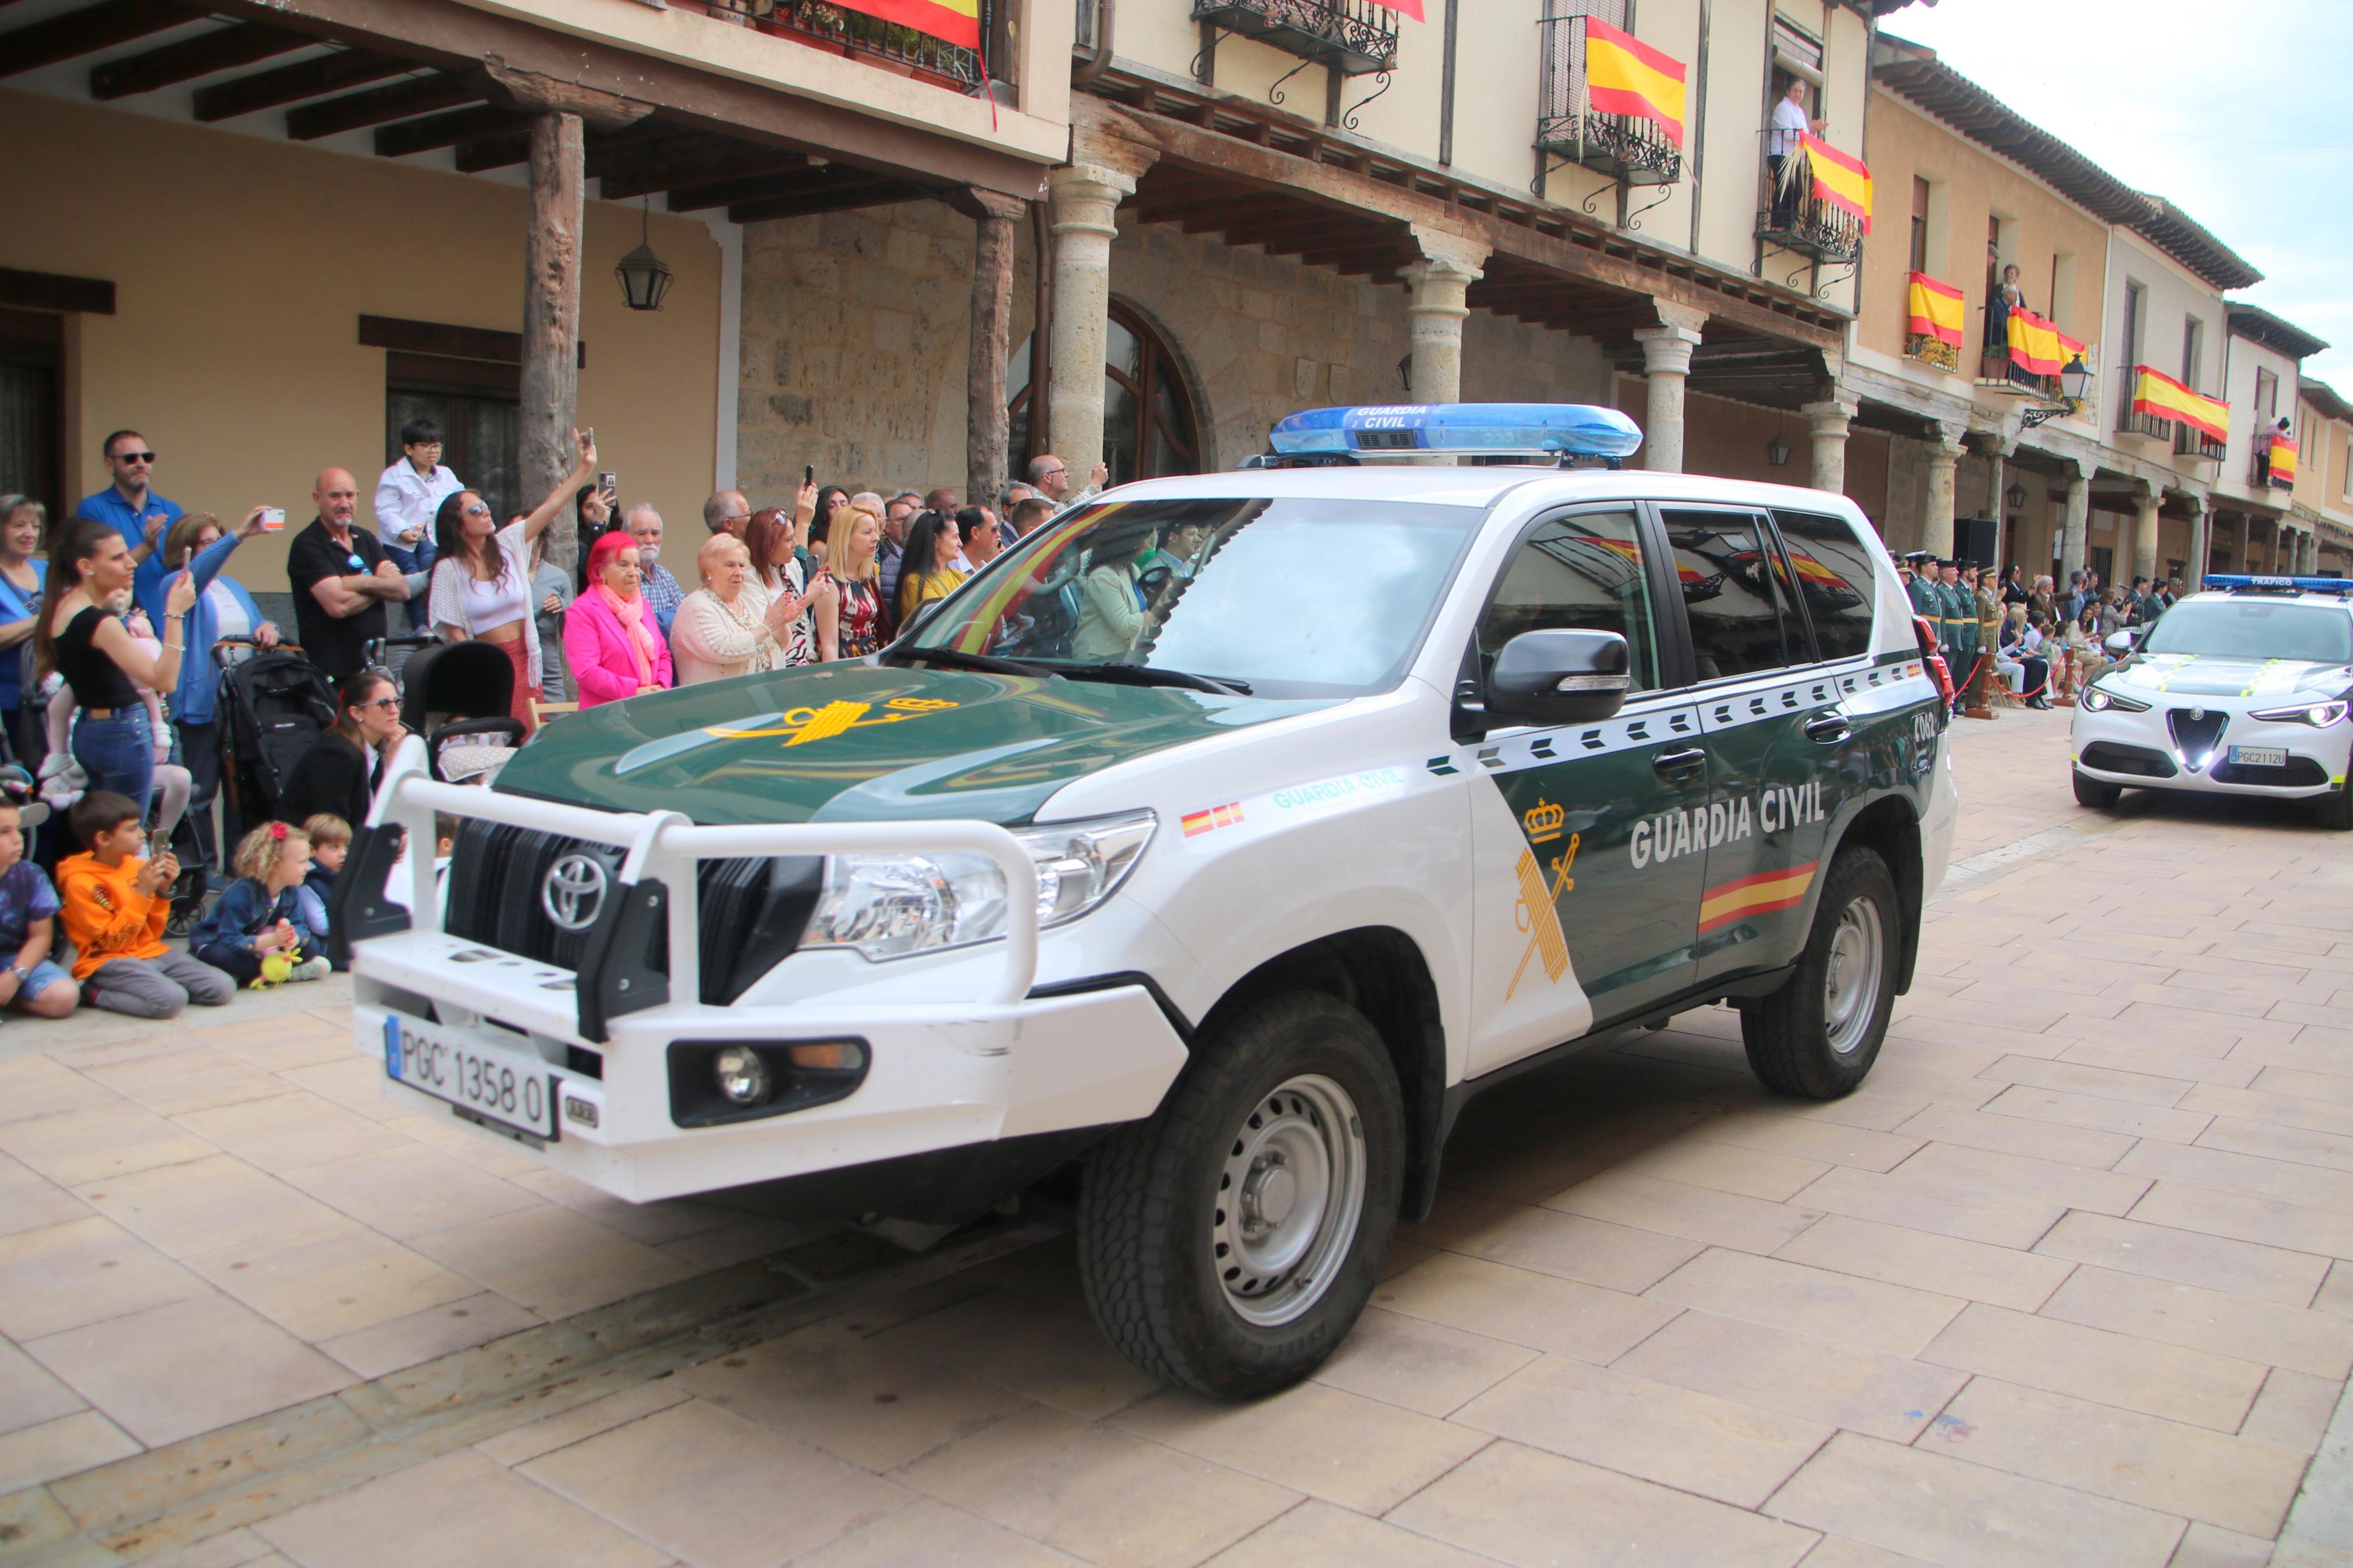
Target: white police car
point(2239, 690)
point(1228, 832)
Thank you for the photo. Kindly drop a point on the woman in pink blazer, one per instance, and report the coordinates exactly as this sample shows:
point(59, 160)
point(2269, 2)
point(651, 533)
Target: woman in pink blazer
point(612, 644)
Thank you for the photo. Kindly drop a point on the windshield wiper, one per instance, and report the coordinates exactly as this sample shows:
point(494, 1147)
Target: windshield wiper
point(1147, 675)
point(960, 659)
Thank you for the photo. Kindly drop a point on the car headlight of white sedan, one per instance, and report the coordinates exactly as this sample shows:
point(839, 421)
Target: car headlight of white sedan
point(891, 905)
point(2097, 699)
point(2319, 715)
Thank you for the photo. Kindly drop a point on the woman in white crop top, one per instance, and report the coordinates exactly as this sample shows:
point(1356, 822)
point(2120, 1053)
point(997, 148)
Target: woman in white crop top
point(482, 582)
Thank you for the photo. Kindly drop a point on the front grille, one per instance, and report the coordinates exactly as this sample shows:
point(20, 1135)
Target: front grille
point(2111, 758)
point(2299, 772)
point(752, 911)
point(2195, 738)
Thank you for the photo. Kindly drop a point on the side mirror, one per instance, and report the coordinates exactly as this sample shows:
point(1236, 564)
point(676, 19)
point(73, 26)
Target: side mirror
point(2119, 643)
point(1558, 677)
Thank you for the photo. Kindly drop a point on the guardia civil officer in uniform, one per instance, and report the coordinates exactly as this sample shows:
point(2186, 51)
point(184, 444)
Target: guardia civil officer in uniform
point(1989, 609)
point(1920, 586)
point(1958, 626)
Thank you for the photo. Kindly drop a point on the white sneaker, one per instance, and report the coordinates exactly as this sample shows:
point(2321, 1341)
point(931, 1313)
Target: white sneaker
point(312, 969)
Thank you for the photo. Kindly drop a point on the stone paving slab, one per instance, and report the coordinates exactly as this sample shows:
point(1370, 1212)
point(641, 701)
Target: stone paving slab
point(2069, 1281)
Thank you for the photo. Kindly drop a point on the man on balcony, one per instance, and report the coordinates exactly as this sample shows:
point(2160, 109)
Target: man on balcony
point(1790, 122)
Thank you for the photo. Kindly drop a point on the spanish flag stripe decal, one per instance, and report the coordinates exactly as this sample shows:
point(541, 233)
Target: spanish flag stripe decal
point(1757, 895)
point(1937, 310)
point(1197, 823)
point(954, 22)
point(1840, 178)
point(1624, 75)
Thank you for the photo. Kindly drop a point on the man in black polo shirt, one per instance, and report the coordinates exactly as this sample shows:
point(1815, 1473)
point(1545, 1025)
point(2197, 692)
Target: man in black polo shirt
point(341, 580)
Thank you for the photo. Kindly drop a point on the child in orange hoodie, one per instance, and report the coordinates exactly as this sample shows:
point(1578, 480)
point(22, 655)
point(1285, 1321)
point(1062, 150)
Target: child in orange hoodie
point(114, 908)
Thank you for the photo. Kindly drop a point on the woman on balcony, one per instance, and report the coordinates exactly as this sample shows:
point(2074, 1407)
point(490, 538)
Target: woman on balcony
point(2007, 296)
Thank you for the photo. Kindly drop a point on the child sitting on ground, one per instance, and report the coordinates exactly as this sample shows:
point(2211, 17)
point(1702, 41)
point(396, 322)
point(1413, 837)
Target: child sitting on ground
point(28, 907)
point(257, 913)
point(115, 905)
point(330, 840)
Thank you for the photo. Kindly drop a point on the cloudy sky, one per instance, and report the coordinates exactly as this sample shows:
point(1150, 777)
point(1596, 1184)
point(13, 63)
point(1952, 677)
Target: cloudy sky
point(2236, 114)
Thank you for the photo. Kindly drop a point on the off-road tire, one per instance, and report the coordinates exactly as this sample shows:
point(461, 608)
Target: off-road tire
point(1149, 1202)
point(1793, 1035)
point(2097, 795)
point(2335, 809)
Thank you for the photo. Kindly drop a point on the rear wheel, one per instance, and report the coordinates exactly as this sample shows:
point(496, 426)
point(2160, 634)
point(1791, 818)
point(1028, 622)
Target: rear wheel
point(1817, 1036)
point(2335, 809)
point(1228, 1244)
point(2093, 793)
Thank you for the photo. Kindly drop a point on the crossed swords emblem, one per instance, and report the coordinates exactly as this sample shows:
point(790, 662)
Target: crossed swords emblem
point(1536, 915)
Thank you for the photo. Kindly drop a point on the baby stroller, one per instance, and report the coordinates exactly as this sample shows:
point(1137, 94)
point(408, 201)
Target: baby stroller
point(459, 695)
point(274, 703)
point(391, 655)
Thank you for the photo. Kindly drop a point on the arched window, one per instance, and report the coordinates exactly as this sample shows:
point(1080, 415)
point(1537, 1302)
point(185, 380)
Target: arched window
point(1149, 429)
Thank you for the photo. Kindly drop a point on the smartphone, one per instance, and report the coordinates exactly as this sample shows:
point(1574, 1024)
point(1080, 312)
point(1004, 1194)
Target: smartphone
point(592, 435)
point(808, 473)
point(607, 480)
point(273, 518)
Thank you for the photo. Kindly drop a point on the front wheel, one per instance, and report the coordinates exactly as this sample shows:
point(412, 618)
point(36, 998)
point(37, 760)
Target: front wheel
point(1817, 1036)
point(1228, 1244)
point(2093, 793)
point(2336, 808)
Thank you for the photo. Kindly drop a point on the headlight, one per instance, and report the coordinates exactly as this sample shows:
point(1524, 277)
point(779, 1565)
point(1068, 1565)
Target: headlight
point(888, 906)
point(2319, 715)
point(2098, 699)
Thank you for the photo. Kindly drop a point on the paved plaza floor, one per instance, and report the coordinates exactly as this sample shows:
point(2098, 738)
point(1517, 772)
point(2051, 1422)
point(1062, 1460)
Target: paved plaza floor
point(2067, 1283)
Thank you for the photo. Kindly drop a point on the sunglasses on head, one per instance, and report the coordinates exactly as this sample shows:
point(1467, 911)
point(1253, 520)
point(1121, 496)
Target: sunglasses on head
point(355, 562)
point(134, 457)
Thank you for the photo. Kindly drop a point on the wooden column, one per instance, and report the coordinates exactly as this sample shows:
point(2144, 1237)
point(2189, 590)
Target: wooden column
point(550, 314)
point(986, 458)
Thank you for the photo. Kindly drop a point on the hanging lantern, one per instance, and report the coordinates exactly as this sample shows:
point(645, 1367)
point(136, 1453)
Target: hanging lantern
point(1777, 451)
point(644, 276)
point(2015, 496)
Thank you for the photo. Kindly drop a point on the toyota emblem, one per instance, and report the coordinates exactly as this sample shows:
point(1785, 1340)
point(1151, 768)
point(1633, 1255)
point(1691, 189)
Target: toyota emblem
point(574, 892)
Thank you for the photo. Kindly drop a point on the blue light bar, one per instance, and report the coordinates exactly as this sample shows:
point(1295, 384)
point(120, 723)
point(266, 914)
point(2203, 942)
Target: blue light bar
point(1548, 430)
point(2242, 583)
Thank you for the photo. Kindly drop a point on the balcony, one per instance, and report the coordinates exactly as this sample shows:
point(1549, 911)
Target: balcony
point(1353, 38)
point(1797, 219)
point(1933, 351)
point(888, 45)
point(2189, 441)
point(2264, 476)
point(1997, 370)
point(1633, 150)
point(2135, 423)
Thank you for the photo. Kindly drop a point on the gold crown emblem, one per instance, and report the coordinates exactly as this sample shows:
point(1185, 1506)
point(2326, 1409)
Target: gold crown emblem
point(1545, 822)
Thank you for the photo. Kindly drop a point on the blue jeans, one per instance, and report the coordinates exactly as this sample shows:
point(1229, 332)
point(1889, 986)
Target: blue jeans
point(410, 562)
point(118, 753)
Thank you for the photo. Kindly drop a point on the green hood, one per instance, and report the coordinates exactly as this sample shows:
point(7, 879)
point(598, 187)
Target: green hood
point(859, 742)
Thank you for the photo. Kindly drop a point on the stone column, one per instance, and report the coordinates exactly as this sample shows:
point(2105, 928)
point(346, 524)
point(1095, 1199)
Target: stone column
point(1944, 459)
point(2075, 549)
point(2147, 504)
point(1449, 264)
point(1828, 421)
point(1084, 199)
point(1666, 362)
point(1997, 506)
point(985, 460)
point(2201, 546)
point(550, 314)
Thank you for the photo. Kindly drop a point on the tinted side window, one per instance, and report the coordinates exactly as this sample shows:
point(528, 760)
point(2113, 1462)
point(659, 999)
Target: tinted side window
point(1581, 572)
point(1741, 618)
point(1834, 579)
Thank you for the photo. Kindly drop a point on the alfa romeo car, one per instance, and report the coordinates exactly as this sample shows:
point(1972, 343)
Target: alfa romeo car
point(1221, 839)
point(2239, 690)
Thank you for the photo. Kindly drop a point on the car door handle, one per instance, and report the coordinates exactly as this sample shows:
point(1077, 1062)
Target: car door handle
point(1828, 728)
point(1669, 765)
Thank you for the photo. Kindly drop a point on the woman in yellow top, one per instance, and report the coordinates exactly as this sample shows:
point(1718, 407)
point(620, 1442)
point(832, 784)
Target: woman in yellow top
point(929, 570)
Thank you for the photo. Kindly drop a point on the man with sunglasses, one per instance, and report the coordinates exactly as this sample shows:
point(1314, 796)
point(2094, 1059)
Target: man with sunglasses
point(131, 507)
point(341, 580)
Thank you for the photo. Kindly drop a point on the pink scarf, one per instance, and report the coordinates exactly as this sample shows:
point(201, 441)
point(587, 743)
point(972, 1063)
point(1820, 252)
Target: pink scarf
point(631, 614)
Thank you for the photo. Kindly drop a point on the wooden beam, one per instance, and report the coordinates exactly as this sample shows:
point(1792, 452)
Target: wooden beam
point(445, 342)
point(492, 152)
point(242, 45)
point(411, 136)
point(292, 84)
point(699, 167)
point(380, 106)
point(882, 193)
point(56, 291)
point(88, 31)
point(792, 180)
point(551, 312)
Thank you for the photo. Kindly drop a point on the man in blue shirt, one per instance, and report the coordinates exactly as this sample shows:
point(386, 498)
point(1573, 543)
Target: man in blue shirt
point(142, 516)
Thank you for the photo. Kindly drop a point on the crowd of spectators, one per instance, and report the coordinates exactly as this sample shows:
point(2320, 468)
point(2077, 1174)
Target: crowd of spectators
point(111, 696)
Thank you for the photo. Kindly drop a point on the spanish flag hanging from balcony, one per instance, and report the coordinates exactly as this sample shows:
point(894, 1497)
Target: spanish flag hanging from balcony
point(1937, 310)
point(2283, 463)
point(1624, 75)
point(953, 22)
point(2160, 396)
point(1842, 181)
point(1402, 7)
point(2034, 344)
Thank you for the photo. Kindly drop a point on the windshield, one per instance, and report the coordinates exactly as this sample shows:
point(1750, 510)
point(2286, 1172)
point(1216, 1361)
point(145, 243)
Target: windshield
point(1298, 597)
point(2251, 628)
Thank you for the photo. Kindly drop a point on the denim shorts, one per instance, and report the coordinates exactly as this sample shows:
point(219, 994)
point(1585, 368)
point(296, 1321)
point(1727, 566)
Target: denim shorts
point(118, 753)
point(44, 975)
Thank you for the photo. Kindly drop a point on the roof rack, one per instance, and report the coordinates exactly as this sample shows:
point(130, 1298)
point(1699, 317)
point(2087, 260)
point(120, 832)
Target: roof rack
point(2245, 583)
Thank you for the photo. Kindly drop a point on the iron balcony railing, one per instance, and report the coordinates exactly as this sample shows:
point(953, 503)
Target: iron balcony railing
point(2189, 441)
point(1997, 367)
point(2136, 423)
point(1621, 146)
point(1794, 218)
point(890, 46)
point(1354, 37)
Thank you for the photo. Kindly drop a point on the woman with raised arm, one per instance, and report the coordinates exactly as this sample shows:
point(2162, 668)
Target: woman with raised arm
point(82, 637)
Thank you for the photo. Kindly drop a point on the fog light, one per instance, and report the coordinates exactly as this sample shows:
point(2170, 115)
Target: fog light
point(743, 1075)
point(833, 1056)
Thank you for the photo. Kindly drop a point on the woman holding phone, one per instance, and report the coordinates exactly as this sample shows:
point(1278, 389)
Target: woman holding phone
point(83, 638)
